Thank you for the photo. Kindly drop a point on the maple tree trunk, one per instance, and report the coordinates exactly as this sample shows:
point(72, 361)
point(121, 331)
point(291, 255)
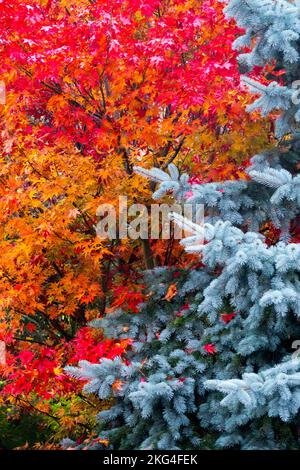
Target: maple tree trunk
point(147, 253)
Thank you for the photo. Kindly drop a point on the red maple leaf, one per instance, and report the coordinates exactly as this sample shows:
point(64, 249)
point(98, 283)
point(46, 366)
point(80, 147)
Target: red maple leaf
point(210, 348)
point(227, 317)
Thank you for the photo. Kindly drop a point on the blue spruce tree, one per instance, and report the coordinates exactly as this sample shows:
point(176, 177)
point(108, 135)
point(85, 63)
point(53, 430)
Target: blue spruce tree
point(214, 367)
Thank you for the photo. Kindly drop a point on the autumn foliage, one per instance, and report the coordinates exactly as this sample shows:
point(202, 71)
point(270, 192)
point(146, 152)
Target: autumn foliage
point(93, 88)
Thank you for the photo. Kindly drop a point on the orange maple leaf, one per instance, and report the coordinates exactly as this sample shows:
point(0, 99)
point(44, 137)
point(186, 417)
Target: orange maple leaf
point(117, 385)
point(171, 292)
